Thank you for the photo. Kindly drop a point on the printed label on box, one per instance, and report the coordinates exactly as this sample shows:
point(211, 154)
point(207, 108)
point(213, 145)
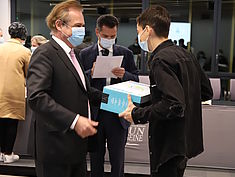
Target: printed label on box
point(117, 95)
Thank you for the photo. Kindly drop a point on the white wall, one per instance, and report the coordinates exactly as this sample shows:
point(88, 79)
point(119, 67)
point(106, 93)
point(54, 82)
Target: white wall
point(5, 17)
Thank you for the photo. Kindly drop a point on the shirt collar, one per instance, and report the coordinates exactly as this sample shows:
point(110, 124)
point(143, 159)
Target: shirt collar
point(14, 41)
point(62, 44)
point(161, 46)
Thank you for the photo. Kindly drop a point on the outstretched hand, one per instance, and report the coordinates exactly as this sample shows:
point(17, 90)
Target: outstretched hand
point(127, 113)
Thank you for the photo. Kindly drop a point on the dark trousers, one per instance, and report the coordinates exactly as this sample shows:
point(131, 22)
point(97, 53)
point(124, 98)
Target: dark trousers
point(60, 170)
point(109, 129)
point(8, 131)
point(174, 167)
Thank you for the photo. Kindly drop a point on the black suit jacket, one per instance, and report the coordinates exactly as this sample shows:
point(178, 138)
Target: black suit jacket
point(88, 56)
point(56, 95)
point(178, 85)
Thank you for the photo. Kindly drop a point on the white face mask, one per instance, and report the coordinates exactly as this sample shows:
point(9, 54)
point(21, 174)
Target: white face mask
point(143, 44)
point(107, 43)
point(33, 49)
point(1, 40)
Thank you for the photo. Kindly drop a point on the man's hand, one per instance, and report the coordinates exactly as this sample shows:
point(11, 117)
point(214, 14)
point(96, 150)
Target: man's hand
point(119, 72)
point(127, 113)
point(85, 127)
point(92, 69)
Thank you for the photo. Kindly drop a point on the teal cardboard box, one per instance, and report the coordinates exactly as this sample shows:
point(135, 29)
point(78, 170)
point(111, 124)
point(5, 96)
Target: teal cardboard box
point(114, 97)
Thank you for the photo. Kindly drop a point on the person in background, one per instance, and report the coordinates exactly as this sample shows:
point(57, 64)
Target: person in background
point(1, 36)
point(178, 85)
point(222, 62)
point(86, 43)
point(14, 60)
point(201, 57)
point(223, 66)
point(181, 43)
point(36, 41)
point(135, 48)
point(175, 42)
point(110, 129)
point(60, 95)
point(27, 42)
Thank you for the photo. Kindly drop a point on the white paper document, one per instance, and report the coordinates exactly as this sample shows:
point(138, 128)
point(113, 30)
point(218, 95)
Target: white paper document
point(104, 66)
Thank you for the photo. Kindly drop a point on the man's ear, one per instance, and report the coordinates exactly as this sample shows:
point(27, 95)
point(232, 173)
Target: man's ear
point(58, 25)
point(149, 29)
point(97, 32)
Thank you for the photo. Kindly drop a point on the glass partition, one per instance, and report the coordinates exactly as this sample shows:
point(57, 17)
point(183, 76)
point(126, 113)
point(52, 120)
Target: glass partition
point(209, 26)
point(192, 21)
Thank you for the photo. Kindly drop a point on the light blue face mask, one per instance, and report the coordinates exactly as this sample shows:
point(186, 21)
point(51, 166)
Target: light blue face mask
point(77, 37)
point(143, 44)
point(107, 43)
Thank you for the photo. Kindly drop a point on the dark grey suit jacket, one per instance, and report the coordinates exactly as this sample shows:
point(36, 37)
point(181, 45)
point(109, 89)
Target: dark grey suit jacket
point(56, 95)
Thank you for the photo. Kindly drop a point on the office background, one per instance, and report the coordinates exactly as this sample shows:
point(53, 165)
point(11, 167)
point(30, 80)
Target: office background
point(212, 23)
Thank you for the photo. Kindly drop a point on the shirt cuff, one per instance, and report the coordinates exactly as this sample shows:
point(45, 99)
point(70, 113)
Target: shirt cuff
point(74, 122)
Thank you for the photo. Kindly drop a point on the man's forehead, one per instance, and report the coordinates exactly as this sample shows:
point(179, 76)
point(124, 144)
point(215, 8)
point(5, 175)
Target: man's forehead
point(76, 17)
point(108, 29)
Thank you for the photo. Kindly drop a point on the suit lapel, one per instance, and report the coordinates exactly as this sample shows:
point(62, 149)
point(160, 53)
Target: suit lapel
point(115, 51)
point(96, 51)
point(63, 56)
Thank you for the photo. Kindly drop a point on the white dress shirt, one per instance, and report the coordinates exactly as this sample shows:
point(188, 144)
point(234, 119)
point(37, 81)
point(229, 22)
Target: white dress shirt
point(110, 54)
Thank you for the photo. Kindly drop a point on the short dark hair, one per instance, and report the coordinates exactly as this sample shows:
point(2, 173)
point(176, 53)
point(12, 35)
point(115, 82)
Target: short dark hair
point(106, 20)
point(17, 30)
point(156, 17)
point(181, 40)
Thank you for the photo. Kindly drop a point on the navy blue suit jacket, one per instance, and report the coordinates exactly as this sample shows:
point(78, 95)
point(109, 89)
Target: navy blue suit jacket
point(88, 56)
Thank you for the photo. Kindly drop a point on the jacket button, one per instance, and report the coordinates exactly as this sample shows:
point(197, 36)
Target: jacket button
point(149, 137)
point(138, 121)
point(150, 153)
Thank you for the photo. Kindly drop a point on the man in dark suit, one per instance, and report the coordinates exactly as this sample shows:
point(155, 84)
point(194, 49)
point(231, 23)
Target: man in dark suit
point(60, 96)
point(110, 128)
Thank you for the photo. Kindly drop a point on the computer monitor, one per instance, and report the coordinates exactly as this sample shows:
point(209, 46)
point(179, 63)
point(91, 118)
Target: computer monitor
point(179, 30)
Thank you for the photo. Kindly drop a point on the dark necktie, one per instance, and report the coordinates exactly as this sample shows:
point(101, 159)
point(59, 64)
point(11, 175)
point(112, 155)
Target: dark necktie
point(105, 52)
